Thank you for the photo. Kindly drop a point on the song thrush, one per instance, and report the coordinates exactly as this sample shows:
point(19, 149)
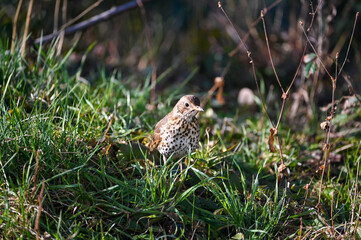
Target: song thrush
point(177, 133)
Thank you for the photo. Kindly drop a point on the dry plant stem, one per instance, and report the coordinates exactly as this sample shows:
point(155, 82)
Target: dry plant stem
point(349, 44)
point(27, 25)
point(40, 208)
point(355, 194)
point(226, 69)
point(314, 50)
point(327, 142)
point(35, 177)
point(313, 13)
point(234, 29)
point(357, 222)
point(153, 95)
point(258, 90)
point(304, 204)
point(89, 22)
point(298, 69)
point(16, 18)
point(4, 174)
point(62, 34)
point(240, 45)
point(91, 7)
point(255, 78)
point(333, 226)
point(250, 61)
point(56, 16)
point(284, 95)
point(269, 52)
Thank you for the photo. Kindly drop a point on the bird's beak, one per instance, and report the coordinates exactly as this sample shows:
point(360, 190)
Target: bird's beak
point(198, 108)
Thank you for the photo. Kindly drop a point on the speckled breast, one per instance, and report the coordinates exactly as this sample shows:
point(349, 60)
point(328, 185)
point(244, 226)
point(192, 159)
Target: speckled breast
point(179, 137)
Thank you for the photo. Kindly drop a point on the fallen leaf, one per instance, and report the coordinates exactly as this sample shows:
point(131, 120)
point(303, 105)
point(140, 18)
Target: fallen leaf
point(281, 168)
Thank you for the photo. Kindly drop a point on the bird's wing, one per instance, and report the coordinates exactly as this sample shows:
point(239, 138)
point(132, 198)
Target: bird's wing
point(156, 138)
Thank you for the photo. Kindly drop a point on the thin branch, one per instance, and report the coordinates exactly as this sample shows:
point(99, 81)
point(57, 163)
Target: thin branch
point(314, 50)
point(234, 29)
point(357, 222)
point(307, 188)
point(269, 52)
point(27, 26)
point(82, 14)
point(298, 69)
point(349, 44)
point(90, 22)
point(246, 36)
point(56, 16)
point(313, 13)
point(250, 61)
point(61, 38)
point(258, 89)
point(16, 18)
point(329, 119)
point(40, 208)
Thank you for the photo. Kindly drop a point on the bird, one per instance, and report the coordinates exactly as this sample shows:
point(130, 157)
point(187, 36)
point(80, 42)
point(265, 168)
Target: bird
point(178, 134)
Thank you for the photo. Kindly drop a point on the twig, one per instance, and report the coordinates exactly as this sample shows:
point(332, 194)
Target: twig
point(40, 208)
point(356, 194)
point(298, 69)
point(16, 18)
point(27, 25)
point(269, 52)
point(332, 224)
point(61, 38)
point(240, 45)
point(349, 44)
point(313, 13)
point(90, 22)
point(284, 94)
point(56, 16)
point(307, 187)
point(314, 50)
point(250, 61)
point(357, 222)
point(35, 176)
point(273, 130)
point(328, 123)
point(82, 14)
point(151, 52)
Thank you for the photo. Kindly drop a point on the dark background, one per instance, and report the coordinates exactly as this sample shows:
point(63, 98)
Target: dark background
point(195, 34)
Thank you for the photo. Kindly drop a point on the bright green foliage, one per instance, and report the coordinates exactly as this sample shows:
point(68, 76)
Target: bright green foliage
point(75, 137)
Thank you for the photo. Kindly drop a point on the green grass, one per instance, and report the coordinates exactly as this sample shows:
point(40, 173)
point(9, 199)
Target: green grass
point(99, 184)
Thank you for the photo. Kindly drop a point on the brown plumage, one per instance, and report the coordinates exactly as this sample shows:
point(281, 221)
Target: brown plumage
point(177, 133)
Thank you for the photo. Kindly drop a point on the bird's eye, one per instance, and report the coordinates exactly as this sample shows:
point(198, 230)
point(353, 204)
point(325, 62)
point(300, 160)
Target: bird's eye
point(187, 105)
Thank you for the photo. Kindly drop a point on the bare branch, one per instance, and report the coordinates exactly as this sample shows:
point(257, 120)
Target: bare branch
point(349, 44)
point(90, 22)
point(269, 52)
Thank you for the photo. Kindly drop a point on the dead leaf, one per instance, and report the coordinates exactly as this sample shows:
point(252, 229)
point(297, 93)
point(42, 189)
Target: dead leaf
point(271, 139)
point(325, 125)
point(281, 168)
point(306, 187)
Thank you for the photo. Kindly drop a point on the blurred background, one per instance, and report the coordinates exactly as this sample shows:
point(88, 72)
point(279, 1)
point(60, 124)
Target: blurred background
point(195, 36)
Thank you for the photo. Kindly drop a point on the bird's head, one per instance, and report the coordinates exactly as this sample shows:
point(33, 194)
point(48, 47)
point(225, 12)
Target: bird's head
point(187, 107)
